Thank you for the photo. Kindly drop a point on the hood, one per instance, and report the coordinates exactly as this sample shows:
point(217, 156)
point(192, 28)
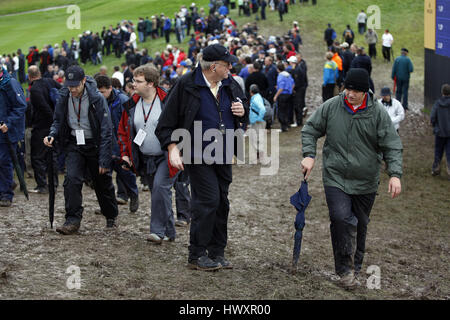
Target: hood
point(285, 74)
point(444, 102)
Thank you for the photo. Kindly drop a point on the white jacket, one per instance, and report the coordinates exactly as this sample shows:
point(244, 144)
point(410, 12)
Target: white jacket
point(395, 111)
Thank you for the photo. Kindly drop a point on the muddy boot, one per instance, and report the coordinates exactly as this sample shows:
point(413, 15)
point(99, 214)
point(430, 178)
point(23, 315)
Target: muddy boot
point(349, 281)
point(111, 225)
point(436, 170)
point(5, 203)
point(134, 203)
point(68, 228)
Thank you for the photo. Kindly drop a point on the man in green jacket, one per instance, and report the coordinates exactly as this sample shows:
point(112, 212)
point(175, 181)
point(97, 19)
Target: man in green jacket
point(359, 134)
point(400, 74)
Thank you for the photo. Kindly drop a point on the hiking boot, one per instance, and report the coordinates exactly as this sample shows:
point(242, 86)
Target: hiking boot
point(204, 263)
point(68, 228)
point(223, 262)
point(349, 281)
point(154, 238)
point(121, 201)
point(168, 239)
point(181, 223)
point(14, 185)
point(98, 211)
point(134, 204)
point(5, 203)
point(111, 224)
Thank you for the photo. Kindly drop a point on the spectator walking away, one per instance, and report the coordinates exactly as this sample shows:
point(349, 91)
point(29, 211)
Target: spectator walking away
point(214, 100)
point(440, 120)
point(82, 125)
point(330, 75)
point(387, 39)
point(285, 87)
point(329, 35)
point(41, 92)
point(401, 71)
point(371, 38)
point(351, 171)
point(257, 125)
point(361, 20)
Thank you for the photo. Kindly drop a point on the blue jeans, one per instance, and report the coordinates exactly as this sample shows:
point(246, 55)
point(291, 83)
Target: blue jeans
point(402, 90)
point(162, 221)
point(441, 144)
point(141, 36)
point(349, 217)
point(6, 173)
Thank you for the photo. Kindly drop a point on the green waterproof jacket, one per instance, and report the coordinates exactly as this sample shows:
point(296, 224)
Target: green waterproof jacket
point(355, 145)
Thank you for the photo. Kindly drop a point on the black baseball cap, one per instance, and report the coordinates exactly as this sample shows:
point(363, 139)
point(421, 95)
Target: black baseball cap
point(74, 75)
point(217, 52)
point(385, 91)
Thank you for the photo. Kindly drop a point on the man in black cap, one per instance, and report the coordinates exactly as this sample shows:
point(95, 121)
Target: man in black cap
point(82, 125)
point(393, 107)
point(206, 99)
point(359, 133)
point(401, 71)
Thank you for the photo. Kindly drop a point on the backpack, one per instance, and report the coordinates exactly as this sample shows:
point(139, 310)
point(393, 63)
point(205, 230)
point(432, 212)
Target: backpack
point(268, 116)
point(333, 35)
point(53, 93)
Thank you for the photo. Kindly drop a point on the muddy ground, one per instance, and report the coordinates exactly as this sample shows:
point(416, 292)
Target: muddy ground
point(408, 237)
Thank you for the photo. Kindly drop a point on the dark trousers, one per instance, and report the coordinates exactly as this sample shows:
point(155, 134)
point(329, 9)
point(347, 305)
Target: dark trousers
point(167, 35)
point(401, 93)
point(78, 160)
point(373, 50)
point(126, 182)
point(298, 104)
point(39, 158)
point(209, 209)
point(349, 217)
point(284, 103)
point(386, 53)
point(328, 91)
point(441, 144)
point(6, 172)
point(183, 197)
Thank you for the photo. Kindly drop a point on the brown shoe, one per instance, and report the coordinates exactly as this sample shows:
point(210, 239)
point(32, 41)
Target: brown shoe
point(68, 228)
point(349, 281)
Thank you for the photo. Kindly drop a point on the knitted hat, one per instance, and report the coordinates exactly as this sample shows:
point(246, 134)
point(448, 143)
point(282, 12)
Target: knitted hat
point(357, 79)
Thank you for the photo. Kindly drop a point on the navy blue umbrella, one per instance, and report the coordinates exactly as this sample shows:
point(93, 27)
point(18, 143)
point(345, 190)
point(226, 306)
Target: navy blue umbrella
point(300, 201)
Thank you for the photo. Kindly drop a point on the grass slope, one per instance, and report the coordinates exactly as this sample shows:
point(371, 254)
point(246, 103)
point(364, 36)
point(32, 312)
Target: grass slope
point(403, 18)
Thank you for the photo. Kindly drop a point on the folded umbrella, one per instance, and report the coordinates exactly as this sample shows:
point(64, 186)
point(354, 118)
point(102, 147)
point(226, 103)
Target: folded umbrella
point(15, 161)
point(300, 201)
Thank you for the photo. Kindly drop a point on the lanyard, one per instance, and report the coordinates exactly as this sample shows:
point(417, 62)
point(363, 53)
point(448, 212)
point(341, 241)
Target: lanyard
point(149, 111)
point(217, 101)
point(79, 108)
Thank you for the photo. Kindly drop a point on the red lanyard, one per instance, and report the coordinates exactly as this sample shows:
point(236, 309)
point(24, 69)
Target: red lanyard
point(151, 107)
point(79, 108)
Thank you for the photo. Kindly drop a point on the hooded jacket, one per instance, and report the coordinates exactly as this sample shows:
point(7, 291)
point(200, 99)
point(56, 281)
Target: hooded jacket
point(355, 144)
point(440, 117)
point(99, 120)
point(12, 108)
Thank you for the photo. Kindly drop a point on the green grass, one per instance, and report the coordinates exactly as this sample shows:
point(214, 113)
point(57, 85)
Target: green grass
point(403, 18)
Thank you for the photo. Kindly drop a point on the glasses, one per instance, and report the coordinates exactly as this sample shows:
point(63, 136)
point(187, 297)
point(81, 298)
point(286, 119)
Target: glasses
point(138, 81)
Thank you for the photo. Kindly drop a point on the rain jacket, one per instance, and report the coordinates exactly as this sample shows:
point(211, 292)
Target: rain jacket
point(12, 108)
point(99, 119)
point(440, 117)
point(355, 144)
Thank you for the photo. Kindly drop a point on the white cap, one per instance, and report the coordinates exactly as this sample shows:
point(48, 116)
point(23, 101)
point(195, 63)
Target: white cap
point(292, 59)
point(344, 45)
point(169, 46)
point(272, 50)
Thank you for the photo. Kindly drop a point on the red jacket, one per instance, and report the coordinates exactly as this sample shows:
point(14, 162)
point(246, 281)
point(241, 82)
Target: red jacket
point(126, 132)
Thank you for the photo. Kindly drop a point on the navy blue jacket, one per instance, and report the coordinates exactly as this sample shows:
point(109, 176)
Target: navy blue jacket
point(12, 109)
point(440, 117)
point(99, 119)
point(184, 102)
